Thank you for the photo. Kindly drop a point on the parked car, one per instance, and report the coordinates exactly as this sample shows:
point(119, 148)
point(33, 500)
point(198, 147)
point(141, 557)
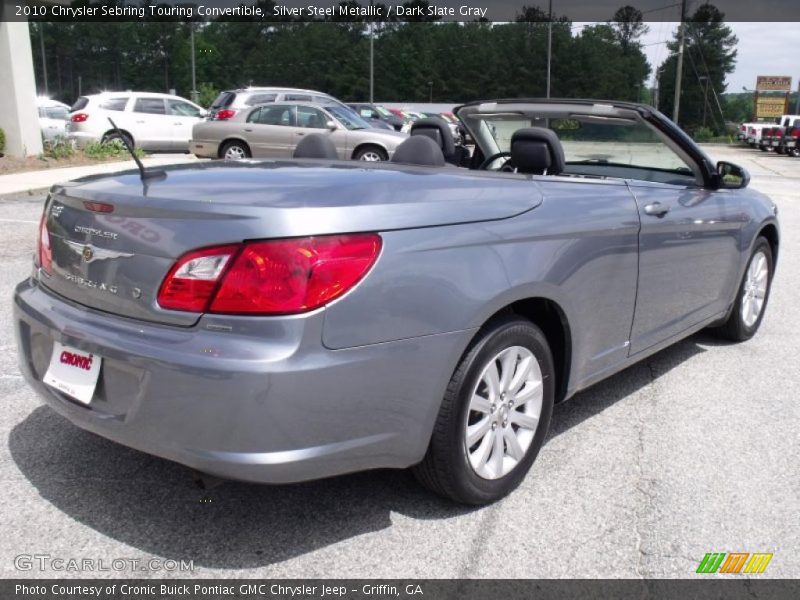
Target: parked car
point(147, 120)
point(792, 137)
point(754, 134)
point(284, 321)
point(780, 133)
point(230, 102)
point(274, 130)
point(53, 117)
point(378, 113)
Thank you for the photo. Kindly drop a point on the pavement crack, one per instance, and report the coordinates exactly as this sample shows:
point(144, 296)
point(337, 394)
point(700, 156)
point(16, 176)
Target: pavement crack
point(645, 505)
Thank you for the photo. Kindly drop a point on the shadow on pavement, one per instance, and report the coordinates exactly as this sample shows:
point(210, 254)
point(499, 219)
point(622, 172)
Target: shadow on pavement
point(152, 504)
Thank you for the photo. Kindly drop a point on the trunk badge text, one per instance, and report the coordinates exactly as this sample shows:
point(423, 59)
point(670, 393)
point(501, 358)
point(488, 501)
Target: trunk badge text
point(110, 235)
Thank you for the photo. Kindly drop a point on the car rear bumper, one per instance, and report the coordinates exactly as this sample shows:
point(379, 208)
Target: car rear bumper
point(265, 402)
point(204, 149)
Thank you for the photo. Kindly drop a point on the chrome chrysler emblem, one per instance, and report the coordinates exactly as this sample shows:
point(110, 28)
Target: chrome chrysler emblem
point(91, 253)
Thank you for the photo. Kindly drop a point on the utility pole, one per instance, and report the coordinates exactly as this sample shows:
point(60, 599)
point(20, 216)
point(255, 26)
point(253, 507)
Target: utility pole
point(371, 56)
point(797, 102)
point(549, 45)
point(679, 69)
point(195, 93)
point(44, 60)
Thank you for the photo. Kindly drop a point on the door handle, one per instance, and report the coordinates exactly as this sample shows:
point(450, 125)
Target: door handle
point(299, 133)
point(656, 209)
point(248, 130)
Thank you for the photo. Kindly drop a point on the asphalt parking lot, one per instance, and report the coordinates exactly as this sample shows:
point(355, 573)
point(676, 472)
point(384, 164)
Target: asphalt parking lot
point(692, 451)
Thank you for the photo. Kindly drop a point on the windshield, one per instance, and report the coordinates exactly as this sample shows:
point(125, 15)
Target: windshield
point(590, 141)
point(383, 111)
point(347, 117)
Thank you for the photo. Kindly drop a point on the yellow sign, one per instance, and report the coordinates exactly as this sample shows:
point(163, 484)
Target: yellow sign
point(773, 83)
point(768, 107)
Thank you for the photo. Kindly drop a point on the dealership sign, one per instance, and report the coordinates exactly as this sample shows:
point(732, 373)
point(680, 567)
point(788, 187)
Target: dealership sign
point(773, 83)
point(769, 107)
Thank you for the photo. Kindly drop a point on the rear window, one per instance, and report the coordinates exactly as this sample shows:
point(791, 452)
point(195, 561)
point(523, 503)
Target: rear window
point(153, 106)
point(56, 112)
point(80, 104)
point(224, 100)
point(297, 98)
point(115, 104)
point(260, 99)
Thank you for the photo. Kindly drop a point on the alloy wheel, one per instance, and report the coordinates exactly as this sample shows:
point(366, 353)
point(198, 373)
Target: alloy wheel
point(504, 412)
point(755, 288)
point(234, 152)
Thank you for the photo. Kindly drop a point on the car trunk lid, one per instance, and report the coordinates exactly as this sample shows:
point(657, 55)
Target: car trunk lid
point(113, 239)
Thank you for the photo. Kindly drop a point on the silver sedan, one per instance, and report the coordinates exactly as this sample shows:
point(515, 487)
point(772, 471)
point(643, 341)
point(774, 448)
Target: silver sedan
point(274, 130)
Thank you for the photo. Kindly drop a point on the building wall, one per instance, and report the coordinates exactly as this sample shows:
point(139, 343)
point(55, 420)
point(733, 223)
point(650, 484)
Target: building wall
point(19, 118)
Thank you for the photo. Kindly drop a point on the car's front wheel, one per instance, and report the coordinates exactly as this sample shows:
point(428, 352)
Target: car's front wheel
point(235, 150)
point(494, 416)
point(371, 154)
point(752, 295)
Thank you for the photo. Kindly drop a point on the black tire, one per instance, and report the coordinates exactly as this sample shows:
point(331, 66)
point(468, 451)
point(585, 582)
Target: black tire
point(110, 137)
point(236, 146)
point(446, 468)
point(377, 151)
point(735, 328)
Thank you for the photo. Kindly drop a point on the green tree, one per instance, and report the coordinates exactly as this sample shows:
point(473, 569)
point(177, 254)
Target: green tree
point(709, 56)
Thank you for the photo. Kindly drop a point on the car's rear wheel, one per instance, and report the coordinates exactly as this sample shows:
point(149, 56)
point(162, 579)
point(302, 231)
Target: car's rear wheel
point(235, 150)
point(114, 136)
point(371, 154)
point(752, 295)
point(494, 416)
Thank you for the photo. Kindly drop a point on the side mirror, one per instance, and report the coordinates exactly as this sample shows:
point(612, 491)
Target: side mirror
point(332, 125)
point(731, 176)
point(203, 113)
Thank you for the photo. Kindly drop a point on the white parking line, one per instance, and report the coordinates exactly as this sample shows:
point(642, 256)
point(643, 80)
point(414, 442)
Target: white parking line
point(18, 221)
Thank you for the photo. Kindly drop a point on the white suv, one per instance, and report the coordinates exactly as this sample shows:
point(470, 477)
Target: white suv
point(230, 102)
point(149, 121)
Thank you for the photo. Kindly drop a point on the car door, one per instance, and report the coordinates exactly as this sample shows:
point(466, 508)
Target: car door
point(269, 131)
point(689, 258)
point(689, 255)
point(314, 120)
point(150, 125)
point(184, 116)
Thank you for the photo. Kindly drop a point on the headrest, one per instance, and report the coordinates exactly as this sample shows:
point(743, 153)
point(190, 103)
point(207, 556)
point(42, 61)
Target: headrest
point(537, 150)
point(439, 131)
point(316, 145)
point(419, 150)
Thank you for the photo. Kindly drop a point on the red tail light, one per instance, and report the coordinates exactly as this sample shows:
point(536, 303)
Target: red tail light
point(224, 114)
point(274, 277)
point(79, 117)
point(44, 253)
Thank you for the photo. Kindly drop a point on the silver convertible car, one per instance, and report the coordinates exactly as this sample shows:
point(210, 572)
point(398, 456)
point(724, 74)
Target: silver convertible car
point(274, 131)
point(285, 320)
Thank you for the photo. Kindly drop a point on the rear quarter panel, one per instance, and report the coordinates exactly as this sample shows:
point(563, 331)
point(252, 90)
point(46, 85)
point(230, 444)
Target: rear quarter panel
point(578, 249)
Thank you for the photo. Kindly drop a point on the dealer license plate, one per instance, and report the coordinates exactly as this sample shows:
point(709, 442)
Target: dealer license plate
point(73, 372)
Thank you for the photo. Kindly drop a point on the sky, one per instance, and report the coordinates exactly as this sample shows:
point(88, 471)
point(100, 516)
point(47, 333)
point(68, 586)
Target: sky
point(764, 49)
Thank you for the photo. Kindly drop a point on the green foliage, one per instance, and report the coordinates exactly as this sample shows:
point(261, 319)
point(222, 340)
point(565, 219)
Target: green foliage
point(709, 55)
point(207, 94)
point(111, 149)
point(2, 142)
point(703, 134)
point(445, 62)
point(57, 149)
